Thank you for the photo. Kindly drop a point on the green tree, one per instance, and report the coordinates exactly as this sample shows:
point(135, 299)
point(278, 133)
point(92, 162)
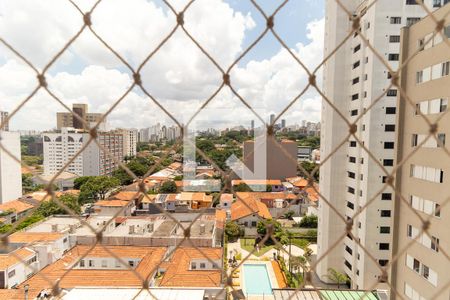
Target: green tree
point(77, 183)
point(96, 188)
point(123, 177)
point(242, 187)
point(309, 166)
point(278, 233)
point(309, 222)
point(289, 214)
point(336, 277)
point(205, 145)
point(168, 187)
point(48, 208)
point(233, 231)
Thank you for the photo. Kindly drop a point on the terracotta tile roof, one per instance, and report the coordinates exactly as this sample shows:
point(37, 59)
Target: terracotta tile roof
point(299, 182)
point(247, 206)
point(226, 197)
point(150, 258)
point(39, 196)
point(111, 203)
point(221, 217)
point(178, 271)
point(312, 194)
point(175, 166)
point(8, 260)
point(31, 237)
point(266, 195)
point(126, 196)
point(68, 192)
point(15, 205)
point(18, 294)
point(256, 182)
point(149, 198)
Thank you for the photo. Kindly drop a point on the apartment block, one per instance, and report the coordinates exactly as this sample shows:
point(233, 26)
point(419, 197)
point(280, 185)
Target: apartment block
point(61, 146)
point(10, 169)
point(130, 139)
point(422, 270)
point(67, 119)
point(353, 78)
point(3, 117)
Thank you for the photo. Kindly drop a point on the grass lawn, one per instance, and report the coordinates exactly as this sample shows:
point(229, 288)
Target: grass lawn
point(247, 244)
point(302, 243)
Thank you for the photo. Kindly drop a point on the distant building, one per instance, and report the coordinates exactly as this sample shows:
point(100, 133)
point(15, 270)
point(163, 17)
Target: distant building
point(272, 119)
point(61, 146)
point(283, 123)
point(10, 169)
point(304, 153)
point(67, 119)
point(3, 117)
point(130, 139)
point(281, 159)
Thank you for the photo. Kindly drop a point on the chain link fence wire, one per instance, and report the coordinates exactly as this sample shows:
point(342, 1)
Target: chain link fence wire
point(88, 22)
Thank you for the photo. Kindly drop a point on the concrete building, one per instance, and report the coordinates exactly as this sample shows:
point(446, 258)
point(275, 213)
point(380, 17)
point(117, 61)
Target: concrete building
point(281, 158)
point(130, 139)
point(3, 117)
point(10, 169)
point(67, 119)
point(353, 78)
point(61, 146)
point(422, 270)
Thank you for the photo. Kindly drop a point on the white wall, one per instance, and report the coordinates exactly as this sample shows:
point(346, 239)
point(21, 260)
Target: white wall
point(10, 170)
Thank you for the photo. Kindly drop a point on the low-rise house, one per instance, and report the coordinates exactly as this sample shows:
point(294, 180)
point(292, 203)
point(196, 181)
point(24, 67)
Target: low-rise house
point(278, 203)
point(226, 200)
point(248, 211)
point(97, 267)
point(64, 181)
point(260, 185)
point(194, 200)
point(17, 266)
point(12, 211)
point(49, 246)
point(198, 185)
point(112, 207)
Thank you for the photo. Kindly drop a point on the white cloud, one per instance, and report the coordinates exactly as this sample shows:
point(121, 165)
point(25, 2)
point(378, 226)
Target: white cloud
point(179, 74)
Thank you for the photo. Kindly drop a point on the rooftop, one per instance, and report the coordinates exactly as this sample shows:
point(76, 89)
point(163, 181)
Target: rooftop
point(23, 237)
point(248, 206)
point(14, 257)
point(16, 206)
point(149, 259)
point(256, 182)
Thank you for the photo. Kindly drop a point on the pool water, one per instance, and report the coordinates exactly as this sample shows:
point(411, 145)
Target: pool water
point(256, 280)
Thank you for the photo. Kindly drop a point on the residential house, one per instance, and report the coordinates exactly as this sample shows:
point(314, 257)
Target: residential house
point(248, 211)
point(260, 185)
point(12, 269)
point(12, 211)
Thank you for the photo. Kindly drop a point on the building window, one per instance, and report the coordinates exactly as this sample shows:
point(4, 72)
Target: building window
point(411, 21)
point(355, 80)
point(419, 77)
point(202, 266)
point(193, 266)
point(385, 229)
point(352, 159)
point(445, 68)
point(11, 273)
point(131, 263)
point(391, 110)
point(386, 196)
point(352, 143)
point(348, 264)
point(383, 262)
point(350, 190)
point(393, 57)
point(384, 246)
point(349, 250)
point(388, 162)
point(391, 93)
point(394, 39)
point(385, 213)
point(396, 20)
point(389, 127)
point(82, 263)
point(355, 97)
point(91, 263)
point(354, 112)
point(357, 48)
point(350, 205)
point(356, 64)
point(411, 2)
point(351, 174)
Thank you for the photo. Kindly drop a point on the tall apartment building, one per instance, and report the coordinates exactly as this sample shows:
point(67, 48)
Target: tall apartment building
point(3, 117)
point(422, 270)
point(353, 79)
point(10, 170)
point(130, 139)
point(61, 146)
point(67, 119)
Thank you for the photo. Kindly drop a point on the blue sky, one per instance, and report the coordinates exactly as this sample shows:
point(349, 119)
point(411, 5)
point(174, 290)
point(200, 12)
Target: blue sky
point(290, 23)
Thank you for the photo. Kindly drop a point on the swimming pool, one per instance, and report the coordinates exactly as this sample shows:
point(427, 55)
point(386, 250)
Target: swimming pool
point(256, 280)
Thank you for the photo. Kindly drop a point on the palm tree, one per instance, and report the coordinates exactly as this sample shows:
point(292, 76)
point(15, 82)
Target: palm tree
point(299, 262)
point(336, 276)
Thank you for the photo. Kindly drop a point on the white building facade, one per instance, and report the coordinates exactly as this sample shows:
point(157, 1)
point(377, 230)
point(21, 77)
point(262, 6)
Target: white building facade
point(353, 79)
point(10, 169)
point(130, 139)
